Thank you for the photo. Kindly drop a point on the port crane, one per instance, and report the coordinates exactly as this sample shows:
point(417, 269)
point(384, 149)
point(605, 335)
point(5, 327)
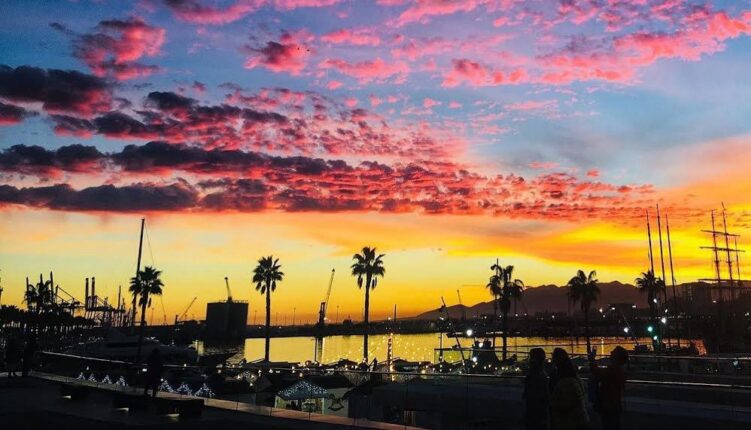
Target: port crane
point(182, 316)
point(464, 310)
point(325, 302)
point(229, 292)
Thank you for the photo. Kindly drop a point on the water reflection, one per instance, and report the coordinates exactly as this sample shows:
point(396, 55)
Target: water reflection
point(413, 347)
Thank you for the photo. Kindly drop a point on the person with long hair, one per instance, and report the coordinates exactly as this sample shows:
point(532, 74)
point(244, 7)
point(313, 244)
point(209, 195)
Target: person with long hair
point(568, 400)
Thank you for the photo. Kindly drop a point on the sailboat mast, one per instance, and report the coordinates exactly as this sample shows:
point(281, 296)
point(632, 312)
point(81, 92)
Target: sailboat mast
point(138, 272)
point(649, 238)
point(662, 259)
point(672, 277)
point(727, 251)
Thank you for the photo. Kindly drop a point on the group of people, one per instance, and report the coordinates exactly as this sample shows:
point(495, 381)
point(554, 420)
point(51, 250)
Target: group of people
point(556, 398)
point(19, 355)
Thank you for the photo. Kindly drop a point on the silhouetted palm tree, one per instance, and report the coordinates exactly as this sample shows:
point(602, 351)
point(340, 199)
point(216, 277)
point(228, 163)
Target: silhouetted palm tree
point(266, 274)
point(370, 266)
point(494, 287)
point(652, 286)
point(148, 283)
point(510, 289)
point(583, 289)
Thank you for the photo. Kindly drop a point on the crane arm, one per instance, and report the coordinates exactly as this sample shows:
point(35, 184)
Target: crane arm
point(229, 293)
point(182, 316)
point(325, 302)
point(328, 292)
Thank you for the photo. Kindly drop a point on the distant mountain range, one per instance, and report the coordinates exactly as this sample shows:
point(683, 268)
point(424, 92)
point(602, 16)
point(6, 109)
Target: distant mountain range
point(552, 298)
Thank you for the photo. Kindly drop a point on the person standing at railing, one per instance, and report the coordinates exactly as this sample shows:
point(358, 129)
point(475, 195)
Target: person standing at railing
point(153, 372)
point(567, 401)
point(12, 355)
point(29, 355)
point(537, 392)
point(611, 382)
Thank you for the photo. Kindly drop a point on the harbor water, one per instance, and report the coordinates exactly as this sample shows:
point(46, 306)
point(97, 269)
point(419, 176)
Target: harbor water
point(412, 347)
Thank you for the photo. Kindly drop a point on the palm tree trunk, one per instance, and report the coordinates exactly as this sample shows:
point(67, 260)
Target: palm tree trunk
point(366, 320)
point(586, 328)
point(268, 323)
point(495, 317)
point(140, 329)
point(504, 328)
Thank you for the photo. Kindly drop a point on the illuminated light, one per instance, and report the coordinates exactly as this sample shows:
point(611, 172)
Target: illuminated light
point(625, 329)
point(650, 329)
point(664, 320)
point(654, 300)
point(654, 337)
point(469, 332)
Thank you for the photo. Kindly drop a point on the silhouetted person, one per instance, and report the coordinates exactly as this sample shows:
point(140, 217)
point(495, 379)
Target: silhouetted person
point(12, 356)
point(537, 392)
point(611, 381)
point(29, 355)
point(153, 372)
point(567, 401)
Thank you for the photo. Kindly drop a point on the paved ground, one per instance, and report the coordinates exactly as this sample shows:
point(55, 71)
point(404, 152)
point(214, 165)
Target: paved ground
point(32, 403)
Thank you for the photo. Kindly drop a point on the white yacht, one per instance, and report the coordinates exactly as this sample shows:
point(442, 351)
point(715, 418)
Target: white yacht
point(118, 346)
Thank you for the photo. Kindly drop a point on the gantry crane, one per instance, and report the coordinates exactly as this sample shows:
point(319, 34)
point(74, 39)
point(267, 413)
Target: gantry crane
point(464, 310)
point(325, 302)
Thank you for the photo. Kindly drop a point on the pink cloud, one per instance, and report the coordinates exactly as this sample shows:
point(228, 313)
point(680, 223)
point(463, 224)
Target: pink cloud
point(464, 70)
point(543, 165)
point(422, 10)
point(455, 105)
point(194, 11)
point(289, 55)
point(593, 173)
point(352, 37)
point(368, 71)
point(375, 101)
point(531, 105)
point(296, 4)
point(429, 103)
point(117, 46)
point(332, 85)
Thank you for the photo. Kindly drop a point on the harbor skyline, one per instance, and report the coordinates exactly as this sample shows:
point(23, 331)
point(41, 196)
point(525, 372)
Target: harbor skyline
point(444, 136)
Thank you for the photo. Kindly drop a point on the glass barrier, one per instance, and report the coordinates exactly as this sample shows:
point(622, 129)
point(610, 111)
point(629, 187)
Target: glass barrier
point(482, 393)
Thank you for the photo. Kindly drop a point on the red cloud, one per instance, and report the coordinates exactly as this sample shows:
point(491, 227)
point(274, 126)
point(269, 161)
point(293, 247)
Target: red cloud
point(289, 55)
point(117, 46)
point(10, 114)
point(221, 180)
point(352, 37)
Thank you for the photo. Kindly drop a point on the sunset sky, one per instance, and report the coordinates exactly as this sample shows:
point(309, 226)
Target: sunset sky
point(446, 133)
